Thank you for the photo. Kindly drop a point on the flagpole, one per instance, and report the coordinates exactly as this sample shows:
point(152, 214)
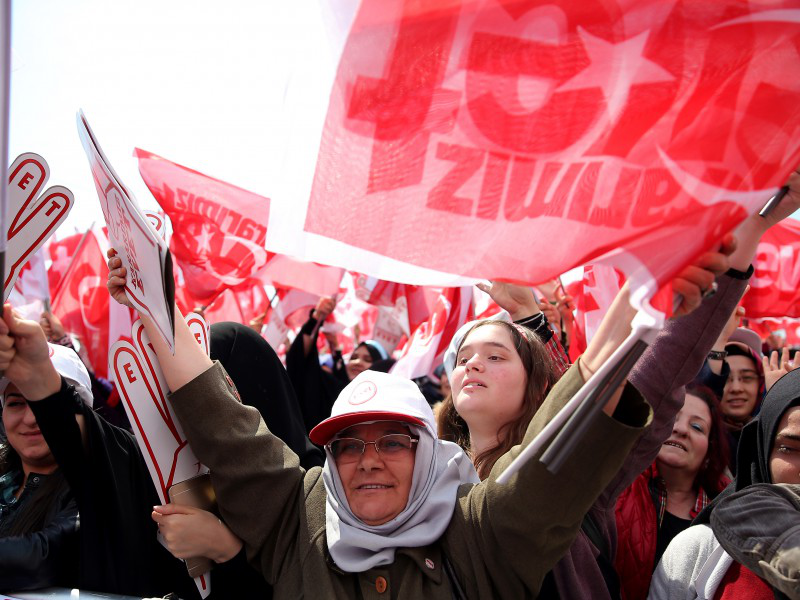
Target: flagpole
point(5, 107)
point(68, 272)
point(645, 328)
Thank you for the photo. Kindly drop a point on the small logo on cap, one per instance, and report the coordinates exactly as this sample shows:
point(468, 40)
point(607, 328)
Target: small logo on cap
point(364, 391)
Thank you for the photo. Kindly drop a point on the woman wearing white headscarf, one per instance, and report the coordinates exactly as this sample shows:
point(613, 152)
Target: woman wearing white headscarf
point(394, 511)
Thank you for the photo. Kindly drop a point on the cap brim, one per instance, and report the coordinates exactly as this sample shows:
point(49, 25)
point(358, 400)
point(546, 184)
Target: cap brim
point(324, 432)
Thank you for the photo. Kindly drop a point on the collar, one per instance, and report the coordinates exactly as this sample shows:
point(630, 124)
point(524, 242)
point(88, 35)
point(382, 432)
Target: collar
point(428, 560)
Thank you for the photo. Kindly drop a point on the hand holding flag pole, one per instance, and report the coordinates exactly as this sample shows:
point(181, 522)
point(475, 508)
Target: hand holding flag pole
point(580, 412)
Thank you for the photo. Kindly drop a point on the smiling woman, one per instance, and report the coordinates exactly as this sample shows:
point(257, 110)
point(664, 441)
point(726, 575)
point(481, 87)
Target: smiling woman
point(687, 474)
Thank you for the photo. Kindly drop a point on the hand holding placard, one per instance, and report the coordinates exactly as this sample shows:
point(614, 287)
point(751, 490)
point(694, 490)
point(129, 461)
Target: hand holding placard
point(149, 288)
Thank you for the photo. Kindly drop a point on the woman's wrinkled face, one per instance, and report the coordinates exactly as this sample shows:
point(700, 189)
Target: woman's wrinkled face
point(687, 447)
point(377, 484)
point(784, 460)
point(489, 379)
point(23, 433)
point(360, 360)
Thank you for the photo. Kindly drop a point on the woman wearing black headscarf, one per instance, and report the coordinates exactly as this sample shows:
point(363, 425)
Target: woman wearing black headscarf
point(769, 453)
point(316, 388)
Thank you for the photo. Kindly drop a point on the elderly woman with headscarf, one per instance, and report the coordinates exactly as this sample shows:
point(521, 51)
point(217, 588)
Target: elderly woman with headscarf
point(394, 509)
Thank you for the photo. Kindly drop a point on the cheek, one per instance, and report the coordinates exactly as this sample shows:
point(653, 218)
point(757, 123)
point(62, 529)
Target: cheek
point(784, 470)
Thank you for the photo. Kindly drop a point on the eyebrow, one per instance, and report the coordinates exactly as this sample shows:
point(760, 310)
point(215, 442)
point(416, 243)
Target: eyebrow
point(788, 436)
point(494, 344)
point(745, 371)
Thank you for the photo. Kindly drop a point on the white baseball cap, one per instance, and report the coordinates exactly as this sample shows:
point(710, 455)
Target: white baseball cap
point(746, 337)
point(68, 364)
point(374, 396)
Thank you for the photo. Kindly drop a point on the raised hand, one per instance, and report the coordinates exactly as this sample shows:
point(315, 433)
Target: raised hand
point(517, 300)
point(52, 327)
point(324, 307)
point(697, 279)
point(776, 366)
point(116, 278)
point(25, 356)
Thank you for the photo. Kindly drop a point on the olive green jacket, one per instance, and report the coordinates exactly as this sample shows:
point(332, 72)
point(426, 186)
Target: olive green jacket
point(501, 540)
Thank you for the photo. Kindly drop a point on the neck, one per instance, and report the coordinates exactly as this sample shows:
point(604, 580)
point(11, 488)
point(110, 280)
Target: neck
point(42, 469)
point(679, 482)
point(481, 441)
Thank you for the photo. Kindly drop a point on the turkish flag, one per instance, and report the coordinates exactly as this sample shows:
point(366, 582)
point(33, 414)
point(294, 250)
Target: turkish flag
point(424, 350)
point(218, 229)
point(508, 140)
point(410, 301)
point(81, 299)
point(775, 285)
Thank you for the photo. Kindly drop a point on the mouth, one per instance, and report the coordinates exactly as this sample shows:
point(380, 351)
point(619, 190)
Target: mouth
point(675, 444)
point(374, 486)
point(471, 384)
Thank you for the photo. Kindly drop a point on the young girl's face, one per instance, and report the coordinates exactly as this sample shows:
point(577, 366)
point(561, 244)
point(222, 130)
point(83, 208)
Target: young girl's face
point(489, 379)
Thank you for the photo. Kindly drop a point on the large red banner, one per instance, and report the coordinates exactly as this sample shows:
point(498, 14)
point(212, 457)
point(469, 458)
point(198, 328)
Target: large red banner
point(511, 140)
point(775, 285)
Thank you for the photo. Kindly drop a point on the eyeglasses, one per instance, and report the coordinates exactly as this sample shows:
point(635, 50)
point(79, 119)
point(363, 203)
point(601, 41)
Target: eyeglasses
point(394, 445)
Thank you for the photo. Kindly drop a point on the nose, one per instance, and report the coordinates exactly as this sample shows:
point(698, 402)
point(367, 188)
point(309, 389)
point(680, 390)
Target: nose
point(735, 383)
point(370, 459)
point(28, 419)
point(679, 427)
point(474, 363)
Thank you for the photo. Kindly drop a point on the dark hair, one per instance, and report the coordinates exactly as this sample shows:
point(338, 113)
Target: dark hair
point(718, 455)
point(540, 377)
point(36, 510)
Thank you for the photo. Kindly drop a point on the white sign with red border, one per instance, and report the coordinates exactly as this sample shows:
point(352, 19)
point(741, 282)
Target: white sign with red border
point(150, 286)
point(33, 215)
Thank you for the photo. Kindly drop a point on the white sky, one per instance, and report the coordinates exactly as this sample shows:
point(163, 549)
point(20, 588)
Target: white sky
point(191, 80)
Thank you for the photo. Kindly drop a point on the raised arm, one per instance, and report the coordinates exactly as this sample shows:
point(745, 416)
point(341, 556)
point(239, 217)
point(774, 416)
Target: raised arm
point(678, 353)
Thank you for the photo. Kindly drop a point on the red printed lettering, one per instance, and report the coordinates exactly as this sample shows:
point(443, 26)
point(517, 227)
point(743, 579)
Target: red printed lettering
point(53, 206)
point(26, 179)
point(129, 372)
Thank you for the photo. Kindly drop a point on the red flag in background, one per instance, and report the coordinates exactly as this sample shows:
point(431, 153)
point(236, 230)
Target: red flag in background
point(78, 277)
point(514, 141)
point(787, 330)
point(592, 296)
point(775, 285)
point(218, 229)
point(424, 350)
point(409, 301)
point(31, 291)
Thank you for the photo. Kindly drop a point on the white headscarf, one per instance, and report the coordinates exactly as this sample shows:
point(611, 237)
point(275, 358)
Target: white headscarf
point(439, 468)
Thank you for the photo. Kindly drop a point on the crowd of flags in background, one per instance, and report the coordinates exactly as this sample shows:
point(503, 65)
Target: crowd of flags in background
point(276, 292)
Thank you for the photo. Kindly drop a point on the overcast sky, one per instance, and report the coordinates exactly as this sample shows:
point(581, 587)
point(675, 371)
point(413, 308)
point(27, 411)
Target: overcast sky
point(198, 82)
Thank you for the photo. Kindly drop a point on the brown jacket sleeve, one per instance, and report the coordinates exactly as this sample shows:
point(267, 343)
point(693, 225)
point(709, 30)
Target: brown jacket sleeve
point(233, 441)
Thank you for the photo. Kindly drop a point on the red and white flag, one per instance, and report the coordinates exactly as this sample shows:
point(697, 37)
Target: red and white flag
point(218, 229)
point(775, 285)
point(514, 141)
point(78, 275)
point(424, 351)
point(592, 297)
point(32, 285)
point(290, 312)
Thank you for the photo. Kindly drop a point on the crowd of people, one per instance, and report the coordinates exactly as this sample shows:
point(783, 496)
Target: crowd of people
point(344, 480)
